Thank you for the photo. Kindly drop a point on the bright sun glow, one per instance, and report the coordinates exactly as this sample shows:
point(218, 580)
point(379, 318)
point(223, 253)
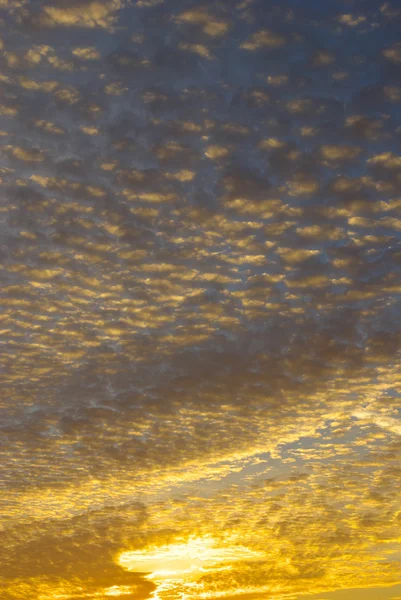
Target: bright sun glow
point(184, 560)
point(118, 590)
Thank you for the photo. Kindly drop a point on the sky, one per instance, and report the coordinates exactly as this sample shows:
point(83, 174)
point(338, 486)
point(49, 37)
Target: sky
point(200, 286)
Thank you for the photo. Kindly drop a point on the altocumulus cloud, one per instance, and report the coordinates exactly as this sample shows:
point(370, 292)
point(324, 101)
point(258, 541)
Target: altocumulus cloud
point(200, 278)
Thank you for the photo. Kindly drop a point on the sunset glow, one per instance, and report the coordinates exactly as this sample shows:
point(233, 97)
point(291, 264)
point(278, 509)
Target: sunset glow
point(185, 561)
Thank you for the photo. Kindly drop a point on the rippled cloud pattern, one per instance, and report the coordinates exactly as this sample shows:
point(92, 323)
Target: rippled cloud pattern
point(200, 329)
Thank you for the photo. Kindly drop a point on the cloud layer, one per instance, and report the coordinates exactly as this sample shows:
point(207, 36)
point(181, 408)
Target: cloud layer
point(200, 254)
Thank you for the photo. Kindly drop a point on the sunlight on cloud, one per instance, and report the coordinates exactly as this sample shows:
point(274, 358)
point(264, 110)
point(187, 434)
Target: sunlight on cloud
point(184, 563)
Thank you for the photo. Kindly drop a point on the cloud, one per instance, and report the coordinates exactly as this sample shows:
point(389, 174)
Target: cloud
point(263, 39)
point(87, 14)
point(212, 25)
point(86, 53)
point(393, 53)
point(383, 421)
point(199, 328)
